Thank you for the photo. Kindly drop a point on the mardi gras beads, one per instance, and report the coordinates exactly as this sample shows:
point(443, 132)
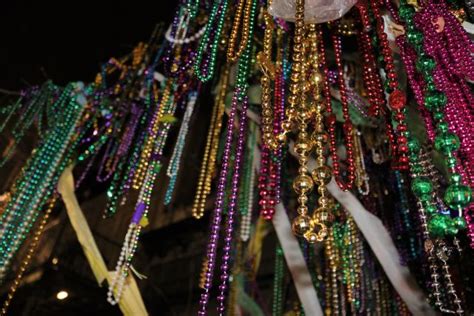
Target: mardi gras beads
point(219, 206)
point(32, 247)
point(244, 34)
point(278, 278)
point(396, 99)
point(207, 51)
point(457, 195)
point(210, 149)
point(173, 167)
point(39, 176)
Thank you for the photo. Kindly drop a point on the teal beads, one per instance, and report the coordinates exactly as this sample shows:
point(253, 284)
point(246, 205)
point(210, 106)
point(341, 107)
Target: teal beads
point(446, 143)
point(457, 196)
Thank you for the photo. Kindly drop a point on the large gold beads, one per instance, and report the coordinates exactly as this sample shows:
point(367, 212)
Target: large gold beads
point(303, 184)
point(301, 225)
point(322, 174)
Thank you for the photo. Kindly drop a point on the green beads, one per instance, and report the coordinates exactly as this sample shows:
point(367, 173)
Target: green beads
point(415, 37)
point(406, 12)
point(414, 145)
point(425, 64)
point(460, 223)
point(442, 127)
point(446, 143)
point(421, 187)
point(457, 196)
point(431, 209)
point(435, 100)
point(455, 178)
point(440, 225)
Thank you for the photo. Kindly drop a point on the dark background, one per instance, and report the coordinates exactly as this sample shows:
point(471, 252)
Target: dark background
point(68, 40)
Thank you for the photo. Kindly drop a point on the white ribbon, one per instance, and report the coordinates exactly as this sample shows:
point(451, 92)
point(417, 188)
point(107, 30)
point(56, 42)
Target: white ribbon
point(296, 263)
point(382, 245)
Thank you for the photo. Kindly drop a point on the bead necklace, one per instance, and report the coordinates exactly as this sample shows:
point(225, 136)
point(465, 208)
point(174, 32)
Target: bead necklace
point(211, 147)
point(130, 244)
point(278, 279)
point(272, 141)
point(209, 44)
point(444, 37)
point(38, 178)
point(150, 138)
point(433, 224)
point(248, 189)
point(397, 99)
point(219, 206)
point(303, 183)
point(371, 77)
point(173, 167)
point(270, 161)
point(32, 247)
point(245, 60)
point(347, 127)
point(305, 87)
point(232, 55)
point(457, 195)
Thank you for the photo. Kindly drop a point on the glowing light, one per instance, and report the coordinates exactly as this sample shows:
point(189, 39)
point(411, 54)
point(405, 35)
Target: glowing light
point(62, 295)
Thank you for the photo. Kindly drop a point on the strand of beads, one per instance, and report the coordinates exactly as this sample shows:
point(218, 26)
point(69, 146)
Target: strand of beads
point(225, 263)
point(27, 260)
point(232, 55)
point(371, 77)
point(145, 155)
point(347, 126)
point(322, 173)
point(444, 38)
point(457, 195)
point(303, 183)
point(433, 222)
point(211, 148)
point(207, 51)
point(278, 279)
point(142, 206)
point(219, 206)
point(38, 178)
point(396, 99)
point(173, 167)
point(268, 74)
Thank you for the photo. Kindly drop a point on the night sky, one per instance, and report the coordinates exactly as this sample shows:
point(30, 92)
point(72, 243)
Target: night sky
point(67, 41)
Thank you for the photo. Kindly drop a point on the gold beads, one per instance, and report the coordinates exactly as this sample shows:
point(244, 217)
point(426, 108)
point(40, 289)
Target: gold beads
point(301, 225)
point(211, 148)
point(31, 249)
point(322, 174)
point(303, 184)
point(304, 106)
point(244, 8)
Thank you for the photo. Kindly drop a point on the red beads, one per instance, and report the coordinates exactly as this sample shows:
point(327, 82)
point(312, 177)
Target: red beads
point(397, 100)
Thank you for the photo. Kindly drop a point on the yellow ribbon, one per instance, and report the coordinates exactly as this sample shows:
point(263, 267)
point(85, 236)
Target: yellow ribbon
point(131, 302)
